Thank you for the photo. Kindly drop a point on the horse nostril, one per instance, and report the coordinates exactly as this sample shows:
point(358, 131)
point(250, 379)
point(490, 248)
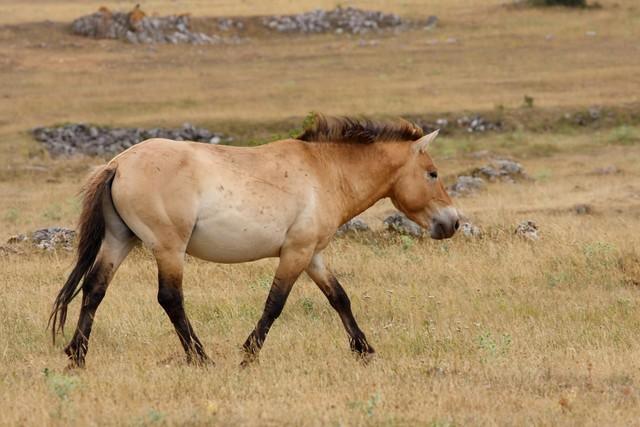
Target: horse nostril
point(457, 224)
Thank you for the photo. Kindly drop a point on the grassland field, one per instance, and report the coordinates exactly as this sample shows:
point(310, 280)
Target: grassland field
point(495, 330)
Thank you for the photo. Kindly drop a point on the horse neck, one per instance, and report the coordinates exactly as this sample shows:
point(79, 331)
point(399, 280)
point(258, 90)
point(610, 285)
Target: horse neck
point(362, 174)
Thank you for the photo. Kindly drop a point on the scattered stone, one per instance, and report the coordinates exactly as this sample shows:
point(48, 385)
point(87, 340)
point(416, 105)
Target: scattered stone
point(595, 112)
point(139, 28)
point(470, 230)
point(501, 170)
point(480, 154)
point(45, 238)
point(92, 140)
point(365, 43)
point(477, 124)
point(527, 230)
point(228, 24)
point(585, 118)
point(354, 225)
point(18, 238)
point(339, 20)
point(472, 124)
point(431, 22)
point(607, 170)
point(400, 224)
point(583, 209)
point(53, 238)
point(466, 185)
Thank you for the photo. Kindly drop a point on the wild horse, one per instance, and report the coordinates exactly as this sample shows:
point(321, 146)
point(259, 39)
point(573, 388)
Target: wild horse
point(232, 204)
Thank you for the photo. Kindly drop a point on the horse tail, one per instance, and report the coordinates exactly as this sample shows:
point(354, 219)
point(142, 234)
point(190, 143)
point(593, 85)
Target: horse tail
point(91, 232)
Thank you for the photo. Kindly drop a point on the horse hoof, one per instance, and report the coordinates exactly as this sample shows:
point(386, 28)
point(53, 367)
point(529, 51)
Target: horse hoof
point(364, 357)
point(74, 365)
point(76, 361)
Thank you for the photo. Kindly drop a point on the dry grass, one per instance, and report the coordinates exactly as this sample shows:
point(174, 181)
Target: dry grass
point(495, 331)
point(490, 331)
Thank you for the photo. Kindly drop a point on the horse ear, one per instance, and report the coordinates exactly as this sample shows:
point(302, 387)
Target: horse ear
point(420, 146)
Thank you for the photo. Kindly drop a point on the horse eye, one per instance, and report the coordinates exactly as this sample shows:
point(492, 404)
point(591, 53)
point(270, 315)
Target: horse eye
point(433, 174)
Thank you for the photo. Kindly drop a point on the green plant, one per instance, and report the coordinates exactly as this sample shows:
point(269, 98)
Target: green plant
point(624, 135)
point(407, 242)
point(262, 282)
point(528, 101)
point(493, 346)
point(308, 307)
point(53, 213)
point(61, 385)
point(11, 215)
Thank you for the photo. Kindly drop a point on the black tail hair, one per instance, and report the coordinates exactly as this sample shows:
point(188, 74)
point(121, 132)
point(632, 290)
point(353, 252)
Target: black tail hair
point(91, 230)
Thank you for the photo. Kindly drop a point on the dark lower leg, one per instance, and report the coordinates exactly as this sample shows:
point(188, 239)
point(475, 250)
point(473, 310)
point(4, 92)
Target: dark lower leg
point(93, 291)
point(272, 309)
point(171, 299)
point(340, 302)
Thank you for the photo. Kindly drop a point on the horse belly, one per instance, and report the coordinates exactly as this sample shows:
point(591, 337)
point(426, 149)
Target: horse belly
point(231, 239)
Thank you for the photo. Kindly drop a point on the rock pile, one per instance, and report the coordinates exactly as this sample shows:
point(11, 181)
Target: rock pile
point(527, 230)
point(472, 124)
point(582, 209)
point(137, 27)
point(354, 225)
point(339, 20)
point(400, 224)
point(95, 140)
point(501, 170)
point(48, 239)
point(607, 170)
point(466, 185)
point(469, 229)
point(477, 124)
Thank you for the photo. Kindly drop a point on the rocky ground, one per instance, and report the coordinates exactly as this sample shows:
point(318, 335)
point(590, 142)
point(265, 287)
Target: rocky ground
point(340, 20)
point(138, 27)
point(473, 123)
point(92, 140)
point(48, 239)
point(498, 170)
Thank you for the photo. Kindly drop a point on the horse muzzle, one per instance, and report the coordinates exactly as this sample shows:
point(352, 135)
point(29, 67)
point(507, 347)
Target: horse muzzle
point(445, 223)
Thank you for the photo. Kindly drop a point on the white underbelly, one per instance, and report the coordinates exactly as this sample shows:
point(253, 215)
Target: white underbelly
point(229, 238)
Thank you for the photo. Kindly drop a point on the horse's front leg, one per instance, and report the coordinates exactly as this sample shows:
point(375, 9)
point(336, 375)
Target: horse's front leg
point(339, 300)
point(293, 261)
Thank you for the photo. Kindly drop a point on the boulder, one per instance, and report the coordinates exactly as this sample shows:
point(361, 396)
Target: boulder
point(466, 185)
point(354, 225)
point(399, 223)
point(527, 230)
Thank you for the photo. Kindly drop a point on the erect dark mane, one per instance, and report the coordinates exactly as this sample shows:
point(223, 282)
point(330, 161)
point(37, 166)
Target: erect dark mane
point(359, 131)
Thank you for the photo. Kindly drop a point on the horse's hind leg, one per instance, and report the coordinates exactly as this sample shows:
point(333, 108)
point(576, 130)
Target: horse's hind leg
point(170, 297)
point(115, 247)
point(339, 300)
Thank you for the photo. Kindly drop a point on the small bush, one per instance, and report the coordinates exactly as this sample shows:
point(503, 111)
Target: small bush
point(623, 135)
